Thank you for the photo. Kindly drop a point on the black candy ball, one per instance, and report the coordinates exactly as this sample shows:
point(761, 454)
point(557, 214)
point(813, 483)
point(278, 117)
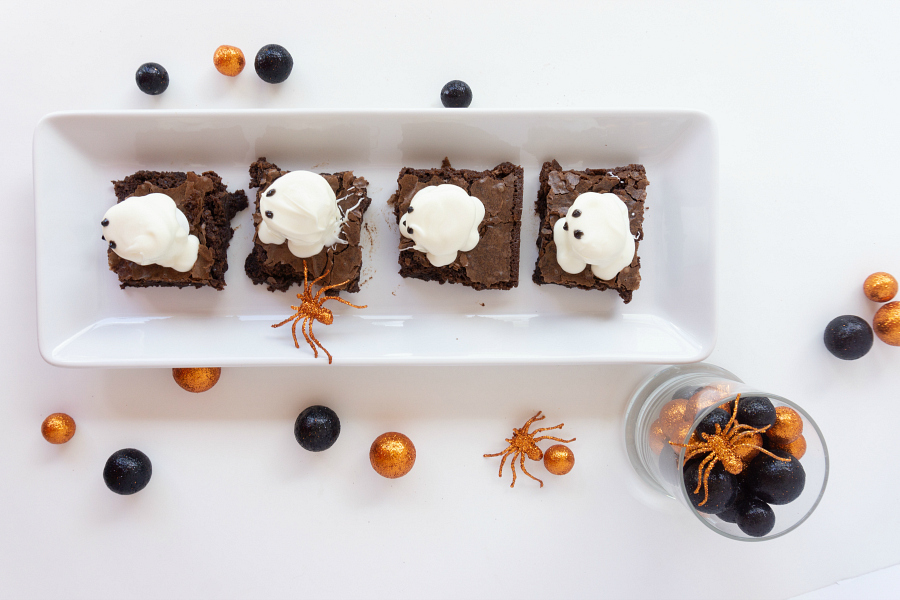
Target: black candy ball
point(456, 94)
point(775, 481)
point(273, 63)
point(152, 78)
point(756, 411)
point(317, 428)
point(755, 517)
point(127, 471)
point(668, 464)
point(717, 416)
point(729, 515)
point(722, 486)
point(848, 337)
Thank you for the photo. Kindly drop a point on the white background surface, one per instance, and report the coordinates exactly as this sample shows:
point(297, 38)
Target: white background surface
point(805, 98)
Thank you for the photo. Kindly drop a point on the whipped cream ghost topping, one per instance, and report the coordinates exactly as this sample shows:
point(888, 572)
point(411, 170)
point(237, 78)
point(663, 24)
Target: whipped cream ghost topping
point(301, 207)
point(442, 220)
point(151, 230)
point(595, 231)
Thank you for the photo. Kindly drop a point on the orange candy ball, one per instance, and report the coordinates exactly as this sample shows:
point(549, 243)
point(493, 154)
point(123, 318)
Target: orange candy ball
point(657, 437)
point(701, 399)
point(229, 60)
point(880, 287)
point(787, 428)
point(392, 455)
point(887, 323)
point(797, 448)
point(745, 451)
point(58, 428)
point(559, 459)
point(197, 380)
point(671, 416)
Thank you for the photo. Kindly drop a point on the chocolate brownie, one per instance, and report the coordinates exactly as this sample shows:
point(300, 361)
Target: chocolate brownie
point(209, 208)
point(494, 262)
point(558, 190)
point(275, 266)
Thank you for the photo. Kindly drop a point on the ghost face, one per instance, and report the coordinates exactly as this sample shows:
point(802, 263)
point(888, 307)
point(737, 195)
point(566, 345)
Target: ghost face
point(442, 220)
point(596, 231)
point(300, 207)
point(151, 230)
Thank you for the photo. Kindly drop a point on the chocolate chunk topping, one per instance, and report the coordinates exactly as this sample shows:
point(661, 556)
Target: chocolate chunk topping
point(104, 222)
point(576, 214)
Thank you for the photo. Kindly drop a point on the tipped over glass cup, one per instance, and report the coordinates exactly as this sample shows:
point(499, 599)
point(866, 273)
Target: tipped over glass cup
point(751, 465)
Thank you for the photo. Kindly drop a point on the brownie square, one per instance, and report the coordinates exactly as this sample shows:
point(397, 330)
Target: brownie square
point(558, 190)
point(494, 262)
point(275, 266)
point(209, 208)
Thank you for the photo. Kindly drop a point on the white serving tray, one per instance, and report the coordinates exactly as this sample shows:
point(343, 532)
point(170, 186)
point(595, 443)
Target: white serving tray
point(85, 319)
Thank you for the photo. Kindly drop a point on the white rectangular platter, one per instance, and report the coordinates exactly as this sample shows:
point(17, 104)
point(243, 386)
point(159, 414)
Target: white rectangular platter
point(85, 319)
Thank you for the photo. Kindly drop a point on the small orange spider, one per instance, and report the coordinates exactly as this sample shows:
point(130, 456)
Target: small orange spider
point(311, 310)
point(523, 444)
point(720, 447)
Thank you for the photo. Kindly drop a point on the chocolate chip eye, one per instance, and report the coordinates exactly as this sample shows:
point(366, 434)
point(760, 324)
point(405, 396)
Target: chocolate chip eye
point(565, 226)
point(576, 213)
point(269, 214)
point(103, 237)
point(409, 209)
point(104, 222)
point(578, 234)
point(112, 245)
point(270, 193)
point(409, 230)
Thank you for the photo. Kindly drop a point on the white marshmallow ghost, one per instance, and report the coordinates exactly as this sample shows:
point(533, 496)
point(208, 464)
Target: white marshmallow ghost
point(300, 207)
point(442, 220)
point(596, 231)
point(151, 230)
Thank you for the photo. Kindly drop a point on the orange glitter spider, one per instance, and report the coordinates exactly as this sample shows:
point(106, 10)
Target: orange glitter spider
point(523, 444)
point(311, 309)
point(721, 446)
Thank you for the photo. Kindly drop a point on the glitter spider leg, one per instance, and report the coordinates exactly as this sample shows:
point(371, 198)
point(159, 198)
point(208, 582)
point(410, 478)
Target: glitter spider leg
point(499, 453)
point(709, 468)
point(503, 461)
point(524, 470)
point(342, 301)
point(540, 429)
point(550, 437)
point(325, 288)
point(306, 336)
point(294, 331)
point(512, 465)
point(528, 423)
point(308, 288)
point(761, 449)
point(318, 343)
